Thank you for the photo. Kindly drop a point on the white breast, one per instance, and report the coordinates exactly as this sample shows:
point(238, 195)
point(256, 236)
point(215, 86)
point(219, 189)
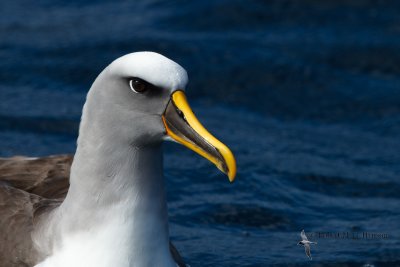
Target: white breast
point(119, 241)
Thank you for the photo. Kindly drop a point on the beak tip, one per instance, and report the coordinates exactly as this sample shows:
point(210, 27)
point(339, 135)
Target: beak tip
point(229, 171)
point(231, 164)
point(232, 173)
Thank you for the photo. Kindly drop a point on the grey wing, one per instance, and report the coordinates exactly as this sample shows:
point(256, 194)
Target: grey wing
point(176, 256)
point(16, 209)
point(47, 177)
point(303, 235)
point(308, 251)
point(28, 188)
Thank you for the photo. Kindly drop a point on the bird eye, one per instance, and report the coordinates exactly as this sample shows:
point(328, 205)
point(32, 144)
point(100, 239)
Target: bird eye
point(137, 85)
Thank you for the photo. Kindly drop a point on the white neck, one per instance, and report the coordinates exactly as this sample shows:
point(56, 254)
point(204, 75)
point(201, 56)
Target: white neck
point(115, 213)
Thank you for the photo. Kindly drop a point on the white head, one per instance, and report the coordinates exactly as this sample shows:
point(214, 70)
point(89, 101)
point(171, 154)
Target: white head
point(139, 99)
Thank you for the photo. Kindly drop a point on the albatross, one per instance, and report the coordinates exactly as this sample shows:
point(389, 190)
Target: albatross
point(109, 208)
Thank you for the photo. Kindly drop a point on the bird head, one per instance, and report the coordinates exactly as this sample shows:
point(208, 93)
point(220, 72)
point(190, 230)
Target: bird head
point(146, 92)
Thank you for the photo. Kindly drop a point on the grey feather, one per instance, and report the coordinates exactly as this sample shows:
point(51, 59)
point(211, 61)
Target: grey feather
point(303, 236)
point(308, 251)
point(30, 188)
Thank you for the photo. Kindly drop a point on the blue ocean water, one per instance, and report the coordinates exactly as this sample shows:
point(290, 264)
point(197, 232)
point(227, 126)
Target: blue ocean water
point(306, 93)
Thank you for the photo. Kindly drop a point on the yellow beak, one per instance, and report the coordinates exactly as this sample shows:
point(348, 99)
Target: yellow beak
point(182, 125)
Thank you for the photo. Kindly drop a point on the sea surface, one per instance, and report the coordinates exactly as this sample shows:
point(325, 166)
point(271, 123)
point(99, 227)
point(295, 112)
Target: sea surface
point(306, 93)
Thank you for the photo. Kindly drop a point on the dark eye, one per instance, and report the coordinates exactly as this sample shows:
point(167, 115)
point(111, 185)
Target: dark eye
point(137, 85)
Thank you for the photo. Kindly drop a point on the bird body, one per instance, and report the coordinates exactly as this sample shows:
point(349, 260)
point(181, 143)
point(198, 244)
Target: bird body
point(306, 243)
point(115, 212)
point(118, 222)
